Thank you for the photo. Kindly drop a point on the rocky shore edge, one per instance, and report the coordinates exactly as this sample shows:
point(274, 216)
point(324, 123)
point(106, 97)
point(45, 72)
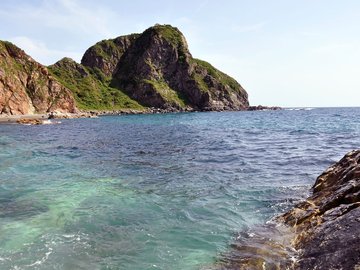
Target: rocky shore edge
point(327, 224)
point(39, 119)
point(322, 232)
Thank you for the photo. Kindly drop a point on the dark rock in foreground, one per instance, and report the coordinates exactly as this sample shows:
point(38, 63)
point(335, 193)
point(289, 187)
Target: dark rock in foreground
point(327, 224)
point(322, 232)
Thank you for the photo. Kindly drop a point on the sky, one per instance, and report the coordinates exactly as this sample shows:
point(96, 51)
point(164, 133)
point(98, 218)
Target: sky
point(303, 53)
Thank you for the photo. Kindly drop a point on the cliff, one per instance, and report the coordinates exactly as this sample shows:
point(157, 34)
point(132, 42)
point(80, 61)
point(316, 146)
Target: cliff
point(154, 69)
point(26, 87)
point(159, 71)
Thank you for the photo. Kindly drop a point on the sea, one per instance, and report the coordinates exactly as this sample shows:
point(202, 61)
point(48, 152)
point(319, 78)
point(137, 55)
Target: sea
point(157, 191)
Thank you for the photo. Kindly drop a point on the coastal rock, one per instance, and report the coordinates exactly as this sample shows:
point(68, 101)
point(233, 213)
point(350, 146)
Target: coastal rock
point(263, 108)
point(323, 232)
point(26, 86)
point(150, 70)
point(327, 224)
point(159, 71)
point(26, 121)
point(105, 55)
point(154, 69)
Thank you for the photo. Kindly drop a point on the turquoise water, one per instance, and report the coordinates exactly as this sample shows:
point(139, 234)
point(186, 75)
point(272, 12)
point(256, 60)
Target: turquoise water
point(157, 191)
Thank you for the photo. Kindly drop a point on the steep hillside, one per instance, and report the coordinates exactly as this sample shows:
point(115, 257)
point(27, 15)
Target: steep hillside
point(26, 87)
point(152, 69)
point(90, 87)
point(158, 70)
point(105, 55)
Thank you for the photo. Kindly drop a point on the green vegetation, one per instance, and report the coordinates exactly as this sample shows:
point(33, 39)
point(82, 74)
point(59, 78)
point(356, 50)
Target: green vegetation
point(200, 82)
point(91, 87)
point(11, 65)
point(110, 50)
point(105, 49)
point(168, 94)
point(171, 34)
point(216, 74)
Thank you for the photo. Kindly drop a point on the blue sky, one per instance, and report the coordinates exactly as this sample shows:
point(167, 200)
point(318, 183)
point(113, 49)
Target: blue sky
point(283, 52)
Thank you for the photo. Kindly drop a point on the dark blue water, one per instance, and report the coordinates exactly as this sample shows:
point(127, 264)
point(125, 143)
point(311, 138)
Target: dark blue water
point(157, 191)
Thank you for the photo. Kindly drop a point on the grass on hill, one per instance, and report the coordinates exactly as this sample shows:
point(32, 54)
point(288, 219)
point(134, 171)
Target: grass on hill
point(216, 74)
point(168, 94)
point(91, 89)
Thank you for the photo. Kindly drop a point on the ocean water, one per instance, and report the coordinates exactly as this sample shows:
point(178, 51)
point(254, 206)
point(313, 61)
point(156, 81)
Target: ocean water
point(157, 191)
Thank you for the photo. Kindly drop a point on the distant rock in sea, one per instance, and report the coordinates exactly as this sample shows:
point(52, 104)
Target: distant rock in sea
point(263, 108)
point(154, 69)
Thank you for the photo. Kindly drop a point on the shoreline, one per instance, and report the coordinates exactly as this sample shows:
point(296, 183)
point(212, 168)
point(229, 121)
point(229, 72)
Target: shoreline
point(14, 118)
point(325, 224)
point(37, 118)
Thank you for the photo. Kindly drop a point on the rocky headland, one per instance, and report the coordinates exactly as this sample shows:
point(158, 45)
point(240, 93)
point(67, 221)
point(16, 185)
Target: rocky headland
point(322, 232)
point(153, 71)
point(27, 87)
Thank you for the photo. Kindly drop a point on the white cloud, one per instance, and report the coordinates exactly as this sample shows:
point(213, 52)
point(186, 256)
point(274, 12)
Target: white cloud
point(69, 28)
point(73, 14)
point(40, 52)
point(69, 15)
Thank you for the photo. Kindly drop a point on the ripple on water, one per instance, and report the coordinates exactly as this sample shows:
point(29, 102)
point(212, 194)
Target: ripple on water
point(159, 191)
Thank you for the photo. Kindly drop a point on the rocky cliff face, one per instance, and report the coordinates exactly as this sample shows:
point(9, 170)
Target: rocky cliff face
point(106, 54)
point(152, 69)
point(26, 87)
point(159, 71)
point(156, 69)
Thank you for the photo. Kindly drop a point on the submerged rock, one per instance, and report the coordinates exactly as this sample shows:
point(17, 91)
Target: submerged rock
point(266, 247)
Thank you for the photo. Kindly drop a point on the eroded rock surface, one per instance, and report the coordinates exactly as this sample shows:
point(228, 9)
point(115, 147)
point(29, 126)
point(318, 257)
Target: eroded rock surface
point(154, 69)
point(322, 232)
point(327, 224)
point(26, 87)
point(158, 71)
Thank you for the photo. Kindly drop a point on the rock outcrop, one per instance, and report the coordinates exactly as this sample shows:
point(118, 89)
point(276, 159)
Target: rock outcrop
point(323, 232)
point(327, 224)
point(26, 87)
point(152, 70)
point(105, 55)
point(159, 71)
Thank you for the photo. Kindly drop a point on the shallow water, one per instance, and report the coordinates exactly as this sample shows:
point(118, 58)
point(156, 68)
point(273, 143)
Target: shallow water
point(157, 191)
